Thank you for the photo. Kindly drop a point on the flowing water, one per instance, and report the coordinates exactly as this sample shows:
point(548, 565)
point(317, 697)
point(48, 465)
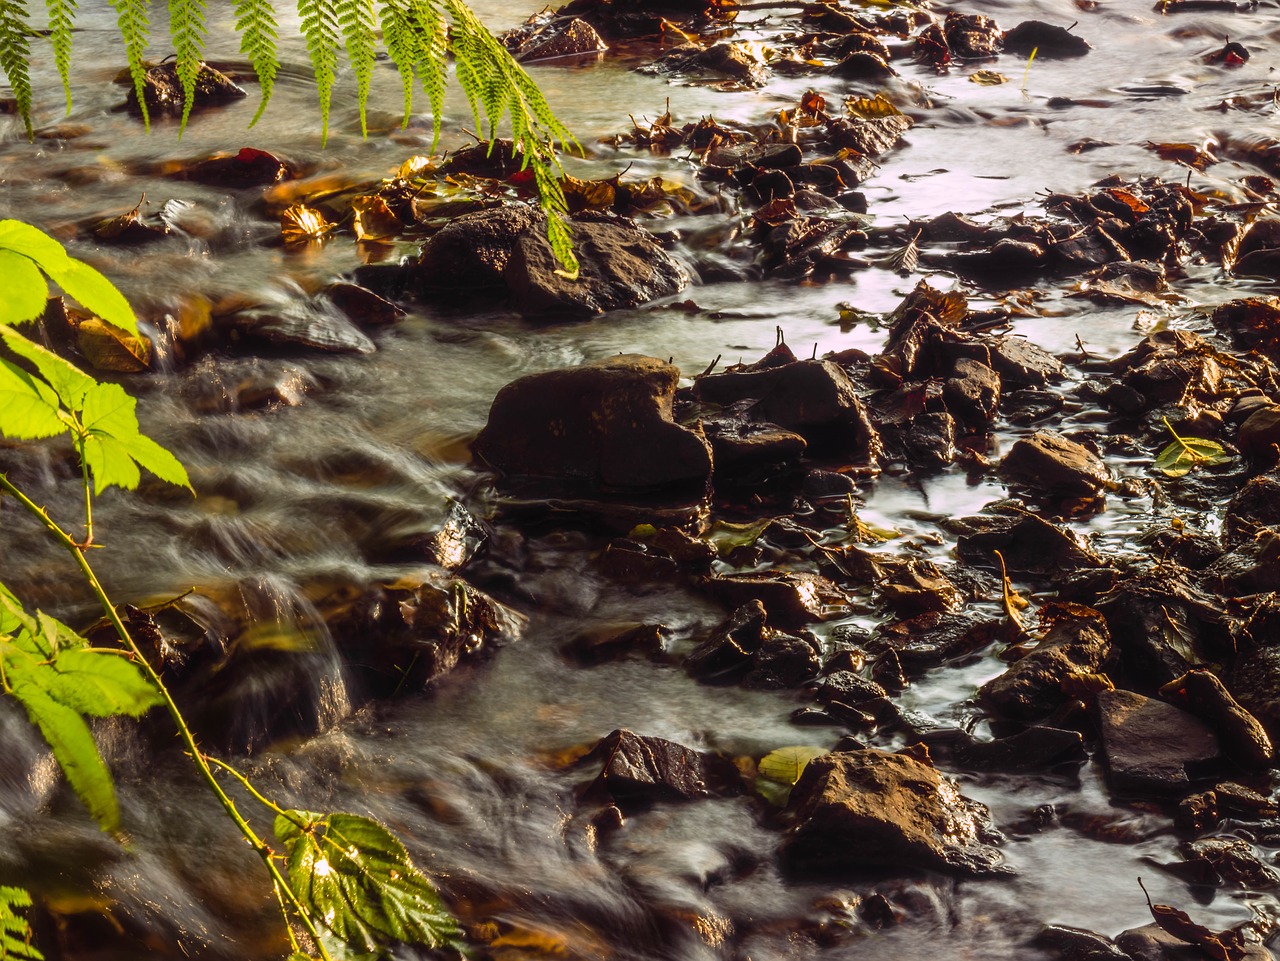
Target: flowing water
point(468, 774)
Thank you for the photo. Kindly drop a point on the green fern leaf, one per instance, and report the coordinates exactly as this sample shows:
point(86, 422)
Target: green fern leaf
point(187, 29)
point(62, 15)
point(320, 28)
point(403, 48)
point(15, 931)
point(359, 26)
point(15, 55)
point(417, 39)
point(256, 22)
point(135, 27)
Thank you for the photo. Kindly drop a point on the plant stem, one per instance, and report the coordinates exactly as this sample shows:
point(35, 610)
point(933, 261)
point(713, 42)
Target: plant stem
point(184, 731)
point(88, 496)
point(257, 795)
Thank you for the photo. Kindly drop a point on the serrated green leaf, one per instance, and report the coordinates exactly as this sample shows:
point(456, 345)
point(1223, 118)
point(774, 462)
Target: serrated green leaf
point(15, 931)
point(30, 406)
point(110, 464)
point(158, 460)
point(114, 447)
point(73, 746)
point(95, 293)
point(359, 882)
point(68, 381)
point(24, 292)
point(100, 683)
point(34, 243)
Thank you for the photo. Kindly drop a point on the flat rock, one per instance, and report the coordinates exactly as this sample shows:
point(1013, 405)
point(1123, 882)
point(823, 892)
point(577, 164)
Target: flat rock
point(1152, 943)
point(503, 253)
point(1028, 543)
point(1152, 747)
point(1055, 466)
point(972, 392)
point(607, 424)
point(636, 768)
point(866, 807)
point(1078, 642)
point(790, 597)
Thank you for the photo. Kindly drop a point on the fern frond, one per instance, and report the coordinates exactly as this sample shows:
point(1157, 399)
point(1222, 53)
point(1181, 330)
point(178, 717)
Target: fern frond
point(62, 14)
point(402, 46)
point(320, 27)
point(15, 931)
point(417, 39)
point(15, 55)
point(135, 27)
point(359, 26)
point(433, 69)
point(187, 28)
point(256, 23)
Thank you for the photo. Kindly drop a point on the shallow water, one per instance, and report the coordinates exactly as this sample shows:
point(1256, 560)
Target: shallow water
point(468, 774)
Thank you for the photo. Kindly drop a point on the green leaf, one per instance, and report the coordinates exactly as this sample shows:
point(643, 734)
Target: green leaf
point(15, 931)
point(95, 293)
point(728, 537)
point(68, 381)
point(320, 27)
point(1177, 459)
point(357, 879)
point(256, 21)
point(114, 448)
point(135, 26)
point(779, 771)
point(34, 243)
point(74, 748)
point(30, 406)
point(359, 25)
point(24, 292)
point(101, 683)
point(187, 30)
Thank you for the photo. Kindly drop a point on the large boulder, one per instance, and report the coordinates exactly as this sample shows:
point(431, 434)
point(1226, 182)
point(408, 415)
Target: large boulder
point(869, 807)
point(504, 253)
point(606, 424)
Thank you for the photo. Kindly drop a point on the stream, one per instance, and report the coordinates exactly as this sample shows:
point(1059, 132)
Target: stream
point(475, 773)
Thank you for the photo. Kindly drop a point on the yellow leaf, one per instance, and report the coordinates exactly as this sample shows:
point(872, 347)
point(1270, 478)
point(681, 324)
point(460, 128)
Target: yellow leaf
point(414, 167)
point(300, 224)
point(374, 220)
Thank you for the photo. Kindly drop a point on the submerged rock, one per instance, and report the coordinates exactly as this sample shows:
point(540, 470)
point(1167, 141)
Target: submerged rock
point(605, 424)
point(868, 807)
point(1055, 466)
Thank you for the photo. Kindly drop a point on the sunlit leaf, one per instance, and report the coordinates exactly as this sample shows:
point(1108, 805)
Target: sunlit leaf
point(115, 448)
point(987, 78)
point(869, 108)
point(357, 878)
point(374, 220)
point(779, 771)
point(24, 292)
point(95, 293)
point(34, 243)
point(300, 224)
point(30, 406)
point(15, 930)
point(727, 537)
point(1185, 453)
point(111, 348)
point(68, 381)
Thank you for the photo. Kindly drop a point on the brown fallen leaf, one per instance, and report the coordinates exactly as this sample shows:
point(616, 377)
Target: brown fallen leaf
point(107, 347)
point(1198, 158)
point(1222, 946)
point(301, 224)
point(374, 220)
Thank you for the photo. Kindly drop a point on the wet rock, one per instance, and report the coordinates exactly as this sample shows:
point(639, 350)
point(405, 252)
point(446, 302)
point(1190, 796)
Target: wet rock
point(932, 638)
point(640, 769)
point(864, 65)
point(362, 305)
point(1077, 642)
point(1253, 506)
point(727, 653)
point(1077, 944)
point(790, 597)
point(1252, 567)
point(504, 252)
point(927, 441)
point(795, 246)
point(867, 807)
point(613, 642)
point(1171, 366)
point(300, 324)
point(1152, 747)
point(727, 60)
point(869, 136)
point(1026, 406)
point(552, 38)
point(1252, 322)
point(1028, 544)
point(162, 91)
point(972, 36)
point(1258, 254)
point(606, 424)
point(1055, 466)
point(453, 544)
point(1087, 250)
point(1243, 738)
point(1152, 943)
point(972, 392)
point(247, 168)
point(1161, 622)
point(1036, 747)
point(766, 156)
point(1021, 363)
point(1259, 435)
point(784, 661)
point(1047, 39)
point(1254, 682)
point(1220, 861)
point(813, 398)
point(742, 446)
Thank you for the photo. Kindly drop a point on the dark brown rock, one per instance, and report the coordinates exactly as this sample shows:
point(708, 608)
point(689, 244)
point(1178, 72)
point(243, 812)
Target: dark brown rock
point(559, 37)
point(1152, 747)
point(1260, 432)
point(972, 392)
point(1244, 739)
point(162, 90)
point(728, 651)
point(1036, 747)
point(742, 446)
point(867, 807)
point(932, 638)
point(606, 424)
point(1055, 466)
point(503, 253)
point(1152, 943)
point(1229, 861)
point(1028, 544)
point(646, 769)
point(1047, 39)
point(1253, 506)
point(1254, 682)
point(972, 36)
point(790, 597)
point(1076, 643)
